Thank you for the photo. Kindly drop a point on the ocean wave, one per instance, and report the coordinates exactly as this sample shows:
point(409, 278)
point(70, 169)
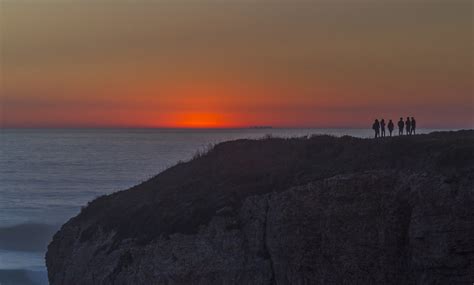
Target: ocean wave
point(23, 277)
point(27, 237)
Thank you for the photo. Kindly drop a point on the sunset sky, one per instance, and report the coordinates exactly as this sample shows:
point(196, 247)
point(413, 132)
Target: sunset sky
point(235, 63)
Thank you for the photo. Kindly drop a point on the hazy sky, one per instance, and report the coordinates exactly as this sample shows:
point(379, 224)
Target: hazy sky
point(235, 63)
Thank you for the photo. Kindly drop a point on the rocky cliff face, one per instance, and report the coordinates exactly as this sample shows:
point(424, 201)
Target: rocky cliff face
point(277, 215)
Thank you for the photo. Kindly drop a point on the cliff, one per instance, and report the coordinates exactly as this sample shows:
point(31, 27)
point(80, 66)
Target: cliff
point(319, 210)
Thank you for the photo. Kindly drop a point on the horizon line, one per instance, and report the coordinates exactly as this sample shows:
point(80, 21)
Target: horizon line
point(221, 128)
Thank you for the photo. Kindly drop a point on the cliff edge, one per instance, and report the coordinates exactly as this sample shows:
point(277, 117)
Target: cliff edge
point(319, 210)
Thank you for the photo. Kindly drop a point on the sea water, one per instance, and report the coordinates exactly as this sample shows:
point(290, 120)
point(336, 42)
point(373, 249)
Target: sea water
point(47, 175)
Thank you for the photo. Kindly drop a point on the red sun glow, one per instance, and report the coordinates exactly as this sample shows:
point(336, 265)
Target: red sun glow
point(200, 120)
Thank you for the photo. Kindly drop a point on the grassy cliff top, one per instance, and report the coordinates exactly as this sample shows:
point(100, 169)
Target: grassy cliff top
point(187, 195)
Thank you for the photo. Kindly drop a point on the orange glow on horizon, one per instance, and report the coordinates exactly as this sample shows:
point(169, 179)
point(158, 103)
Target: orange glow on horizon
point(157, 64)
point(198, 120)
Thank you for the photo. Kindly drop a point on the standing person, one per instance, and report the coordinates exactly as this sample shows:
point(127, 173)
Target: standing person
point(390, 127)
point(376, 128)
point(413, 125)
point(408, 126)
point(401, 124)
point(382, 128)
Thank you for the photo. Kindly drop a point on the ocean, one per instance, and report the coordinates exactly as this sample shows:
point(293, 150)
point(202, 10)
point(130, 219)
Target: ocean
point(47, 175)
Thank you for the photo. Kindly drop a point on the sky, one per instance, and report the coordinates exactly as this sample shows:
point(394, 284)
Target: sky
point(235, 63)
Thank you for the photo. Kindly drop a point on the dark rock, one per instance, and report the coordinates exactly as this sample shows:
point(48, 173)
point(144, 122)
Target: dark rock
point(286, 211)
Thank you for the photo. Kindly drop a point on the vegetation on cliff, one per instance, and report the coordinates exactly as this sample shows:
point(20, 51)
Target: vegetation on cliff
point(187, 195)
point(404, 202)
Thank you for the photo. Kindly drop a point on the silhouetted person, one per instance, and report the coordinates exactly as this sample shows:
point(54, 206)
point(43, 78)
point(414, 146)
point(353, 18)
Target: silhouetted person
point(390, 127)
point(382, 128)
point(413, 125)
point(376, 128)
point(401, 124)
point(408, 126)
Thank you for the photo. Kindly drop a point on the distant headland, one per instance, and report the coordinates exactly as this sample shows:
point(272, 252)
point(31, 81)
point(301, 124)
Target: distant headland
point(260, 127)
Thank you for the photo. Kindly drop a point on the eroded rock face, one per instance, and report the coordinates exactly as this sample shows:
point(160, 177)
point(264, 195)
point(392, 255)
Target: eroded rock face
point(387, 226)
point(367, 228)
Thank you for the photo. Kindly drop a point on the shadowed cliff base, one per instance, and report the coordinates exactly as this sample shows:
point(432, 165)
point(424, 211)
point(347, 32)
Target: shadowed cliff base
point(319, 210)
